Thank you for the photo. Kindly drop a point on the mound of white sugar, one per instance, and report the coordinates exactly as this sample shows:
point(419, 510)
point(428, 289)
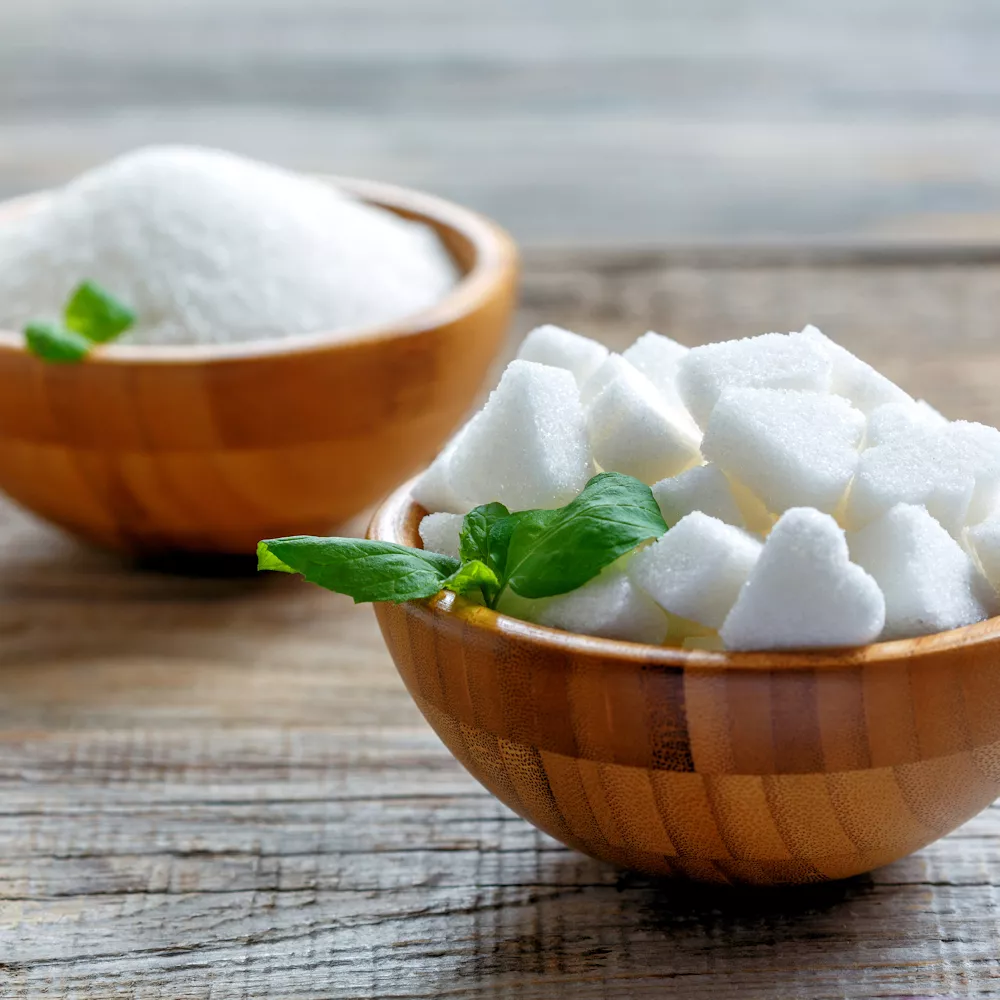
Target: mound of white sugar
point(207, 247)
point(822, 507)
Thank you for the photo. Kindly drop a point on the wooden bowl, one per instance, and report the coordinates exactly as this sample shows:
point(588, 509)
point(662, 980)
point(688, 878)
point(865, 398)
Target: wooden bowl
point(760, 768)
point(212, 447)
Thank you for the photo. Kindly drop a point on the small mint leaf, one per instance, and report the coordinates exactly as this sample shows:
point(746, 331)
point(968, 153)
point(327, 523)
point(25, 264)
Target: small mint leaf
point(97, 314)
point(470, 576)
point(52, 342)
point(554, 552)
point(474, 540)
point(266, 559)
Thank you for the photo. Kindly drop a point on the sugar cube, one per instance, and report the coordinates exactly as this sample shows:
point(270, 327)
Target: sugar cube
point(432, 490)
point(953, 469)
point(611, 606)
point(552, 345)
point(899, 421)
point(606, 373)
point(804, 592)
point(704, 488)
point(978, 448)
point(984, 539)
point(773, 360)
point(528, 445)
point(930, 584)
point(440, 533)
point(925, 468)
point(756, 516)
point(791, 448)
point(632, 431)
point(852, 378)
point(697, 568)
point(657, 357)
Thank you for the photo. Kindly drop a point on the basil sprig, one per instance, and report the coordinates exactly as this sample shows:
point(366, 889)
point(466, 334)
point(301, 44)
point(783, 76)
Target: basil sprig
point(536, 553)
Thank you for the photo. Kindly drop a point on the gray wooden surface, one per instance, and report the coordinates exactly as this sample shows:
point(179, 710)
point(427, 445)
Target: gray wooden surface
point(216, 787)
point(614, 122)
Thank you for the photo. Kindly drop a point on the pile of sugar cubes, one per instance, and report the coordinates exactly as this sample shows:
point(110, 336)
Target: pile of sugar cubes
point(810, 501)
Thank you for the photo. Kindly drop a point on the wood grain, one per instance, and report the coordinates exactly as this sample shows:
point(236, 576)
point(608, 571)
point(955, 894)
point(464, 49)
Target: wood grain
point(215, 786)
point(771, 768)
point(617, 123)
point(209, 448)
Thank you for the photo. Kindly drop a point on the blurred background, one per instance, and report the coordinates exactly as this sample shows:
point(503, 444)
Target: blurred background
point(619, 122)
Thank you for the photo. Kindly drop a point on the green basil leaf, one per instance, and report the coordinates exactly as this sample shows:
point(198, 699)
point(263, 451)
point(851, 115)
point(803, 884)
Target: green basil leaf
point(266, 559)
point(554, 552)
point(361, 568)
point(498, 534)
point(97, 314)
point(52, 342)
point(470, 576)
point(474, 540)
point(503, 531)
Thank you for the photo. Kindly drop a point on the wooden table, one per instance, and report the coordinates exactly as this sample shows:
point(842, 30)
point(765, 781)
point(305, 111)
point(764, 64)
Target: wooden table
point(619, 123)
point(215, 786)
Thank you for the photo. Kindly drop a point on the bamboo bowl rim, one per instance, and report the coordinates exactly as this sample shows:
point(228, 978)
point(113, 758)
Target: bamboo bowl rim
point(494, 256)
point(396, 520)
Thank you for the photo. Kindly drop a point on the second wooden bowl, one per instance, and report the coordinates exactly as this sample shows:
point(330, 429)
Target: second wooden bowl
point(211, 448)
point(761, 768)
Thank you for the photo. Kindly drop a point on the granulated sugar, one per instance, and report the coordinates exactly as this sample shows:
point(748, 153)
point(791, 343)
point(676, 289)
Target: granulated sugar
point(208, 247)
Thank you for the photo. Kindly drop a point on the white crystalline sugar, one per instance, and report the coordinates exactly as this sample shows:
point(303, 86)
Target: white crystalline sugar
point(208, 247)
point(552, 345)
point(930, 584)
point(440, 533)
point(604, 374)
point(632, 431)
point(790, 448)
point(705, 488)
point(756, 517)
point(528, 446)
point(854, 379)
point(953, 471)
point(920, 469)
point(770, 361)
point(804, 592)
point(697, 568)
point(432, 490)
point(610, 606)
point(898, 421)
point(933, 416)
point(984, 539)
point(977, 447)
point(658, 357)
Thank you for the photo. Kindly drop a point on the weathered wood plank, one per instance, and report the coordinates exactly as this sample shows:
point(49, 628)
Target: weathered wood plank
point(639, 121)
point(215, 786)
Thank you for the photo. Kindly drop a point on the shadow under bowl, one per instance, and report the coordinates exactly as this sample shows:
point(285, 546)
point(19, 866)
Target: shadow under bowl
point(761, 768)
point(209, 448)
